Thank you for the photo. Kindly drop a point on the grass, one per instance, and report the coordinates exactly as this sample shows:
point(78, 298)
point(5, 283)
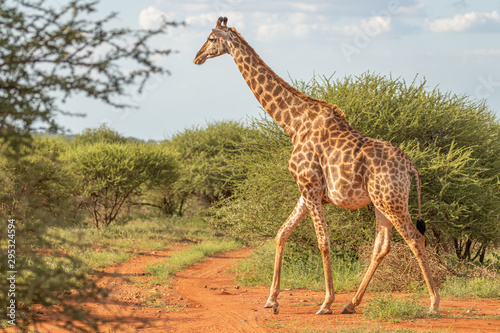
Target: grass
point(305, 270)
point(147, 234)
point(300, 271)
point(100, 259)
point(394, 310)
point(481, 287)
point(97, 248)
point(180, 260)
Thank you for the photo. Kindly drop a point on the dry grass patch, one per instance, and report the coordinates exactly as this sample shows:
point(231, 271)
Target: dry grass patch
point(399, 271)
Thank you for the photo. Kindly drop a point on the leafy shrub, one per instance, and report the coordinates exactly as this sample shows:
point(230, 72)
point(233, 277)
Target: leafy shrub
point(34, 192)
point(35, 181)
point(97, 135)
point(206, 159)
point(110, 173)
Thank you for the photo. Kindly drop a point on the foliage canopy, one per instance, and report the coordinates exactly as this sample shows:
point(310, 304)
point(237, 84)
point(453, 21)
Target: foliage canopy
point(208, 158)
point(110, 173)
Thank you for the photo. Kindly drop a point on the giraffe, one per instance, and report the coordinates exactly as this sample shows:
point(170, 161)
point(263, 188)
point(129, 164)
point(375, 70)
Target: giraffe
point(331, 162)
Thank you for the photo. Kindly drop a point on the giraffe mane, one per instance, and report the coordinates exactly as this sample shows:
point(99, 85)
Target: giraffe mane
point(294, 91)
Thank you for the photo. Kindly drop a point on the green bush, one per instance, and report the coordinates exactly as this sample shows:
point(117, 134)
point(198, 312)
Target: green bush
point(34, 192)
point(207, 159)
point(50, 53)
point(35, 181)
point(97, 135)
point(108, 174)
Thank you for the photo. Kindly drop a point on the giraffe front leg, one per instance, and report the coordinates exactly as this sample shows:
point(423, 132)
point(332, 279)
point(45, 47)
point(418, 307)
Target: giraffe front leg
point(295, 217)
point(324, 247)
point(272, 301)
point(330, 293)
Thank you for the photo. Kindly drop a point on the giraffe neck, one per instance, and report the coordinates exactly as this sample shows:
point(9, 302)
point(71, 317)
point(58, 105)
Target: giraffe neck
point(288, 107)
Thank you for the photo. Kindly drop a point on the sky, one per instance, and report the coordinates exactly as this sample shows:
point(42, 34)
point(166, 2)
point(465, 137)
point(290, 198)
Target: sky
point(453, 44)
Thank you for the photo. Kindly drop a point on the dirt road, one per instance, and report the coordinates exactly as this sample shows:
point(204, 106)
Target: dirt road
point(206, 298)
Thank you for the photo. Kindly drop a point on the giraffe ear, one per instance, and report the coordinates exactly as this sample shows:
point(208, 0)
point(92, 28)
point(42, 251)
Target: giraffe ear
point(220, 33)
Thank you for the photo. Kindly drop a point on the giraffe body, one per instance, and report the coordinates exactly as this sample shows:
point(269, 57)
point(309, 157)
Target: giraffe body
point(331, 163)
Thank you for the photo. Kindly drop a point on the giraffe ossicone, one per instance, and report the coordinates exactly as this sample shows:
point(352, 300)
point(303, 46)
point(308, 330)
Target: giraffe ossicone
point(331, 163)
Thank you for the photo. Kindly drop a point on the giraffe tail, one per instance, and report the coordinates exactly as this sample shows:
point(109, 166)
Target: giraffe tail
point(420, 222)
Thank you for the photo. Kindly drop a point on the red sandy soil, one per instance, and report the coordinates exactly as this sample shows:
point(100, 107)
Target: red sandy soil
point(207, 298)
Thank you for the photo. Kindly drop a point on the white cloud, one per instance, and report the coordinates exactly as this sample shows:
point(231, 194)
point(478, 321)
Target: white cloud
point(412, 9)
point(197, 7)
point(235, 19)
point(279, 26)
point(463, 22)
point(303, 7)
point(373, 26)
point(151, 18)
point(302, 25)
point(494, 52)
point(204, 19)
point(376, 25)
point(268, 32)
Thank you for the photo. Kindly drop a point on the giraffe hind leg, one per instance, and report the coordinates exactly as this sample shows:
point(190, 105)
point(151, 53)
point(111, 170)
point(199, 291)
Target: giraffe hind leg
point(380, 249)
point(401, 220)
point(416, 241)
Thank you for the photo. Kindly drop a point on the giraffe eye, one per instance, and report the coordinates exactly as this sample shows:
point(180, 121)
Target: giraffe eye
point(211, 40)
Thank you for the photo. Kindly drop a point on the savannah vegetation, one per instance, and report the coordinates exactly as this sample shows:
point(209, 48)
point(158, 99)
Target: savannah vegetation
point(85, 201)
point(96, 197)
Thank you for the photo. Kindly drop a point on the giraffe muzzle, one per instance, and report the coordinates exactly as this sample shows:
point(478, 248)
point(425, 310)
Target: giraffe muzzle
point(200, 60)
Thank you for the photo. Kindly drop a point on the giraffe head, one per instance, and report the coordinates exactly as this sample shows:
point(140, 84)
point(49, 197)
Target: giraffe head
point(216, 43)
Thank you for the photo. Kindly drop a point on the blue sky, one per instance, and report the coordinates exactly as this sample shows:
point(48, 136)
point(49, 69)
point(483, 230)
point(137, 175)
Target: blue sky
point(453, 44)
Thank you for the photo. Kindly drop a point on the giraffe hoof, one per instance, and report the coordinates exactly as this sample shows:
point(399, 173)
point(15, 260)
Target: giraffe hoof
point(270, 304)
point(274, 305)
point(347, 311)
point(324, 311)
